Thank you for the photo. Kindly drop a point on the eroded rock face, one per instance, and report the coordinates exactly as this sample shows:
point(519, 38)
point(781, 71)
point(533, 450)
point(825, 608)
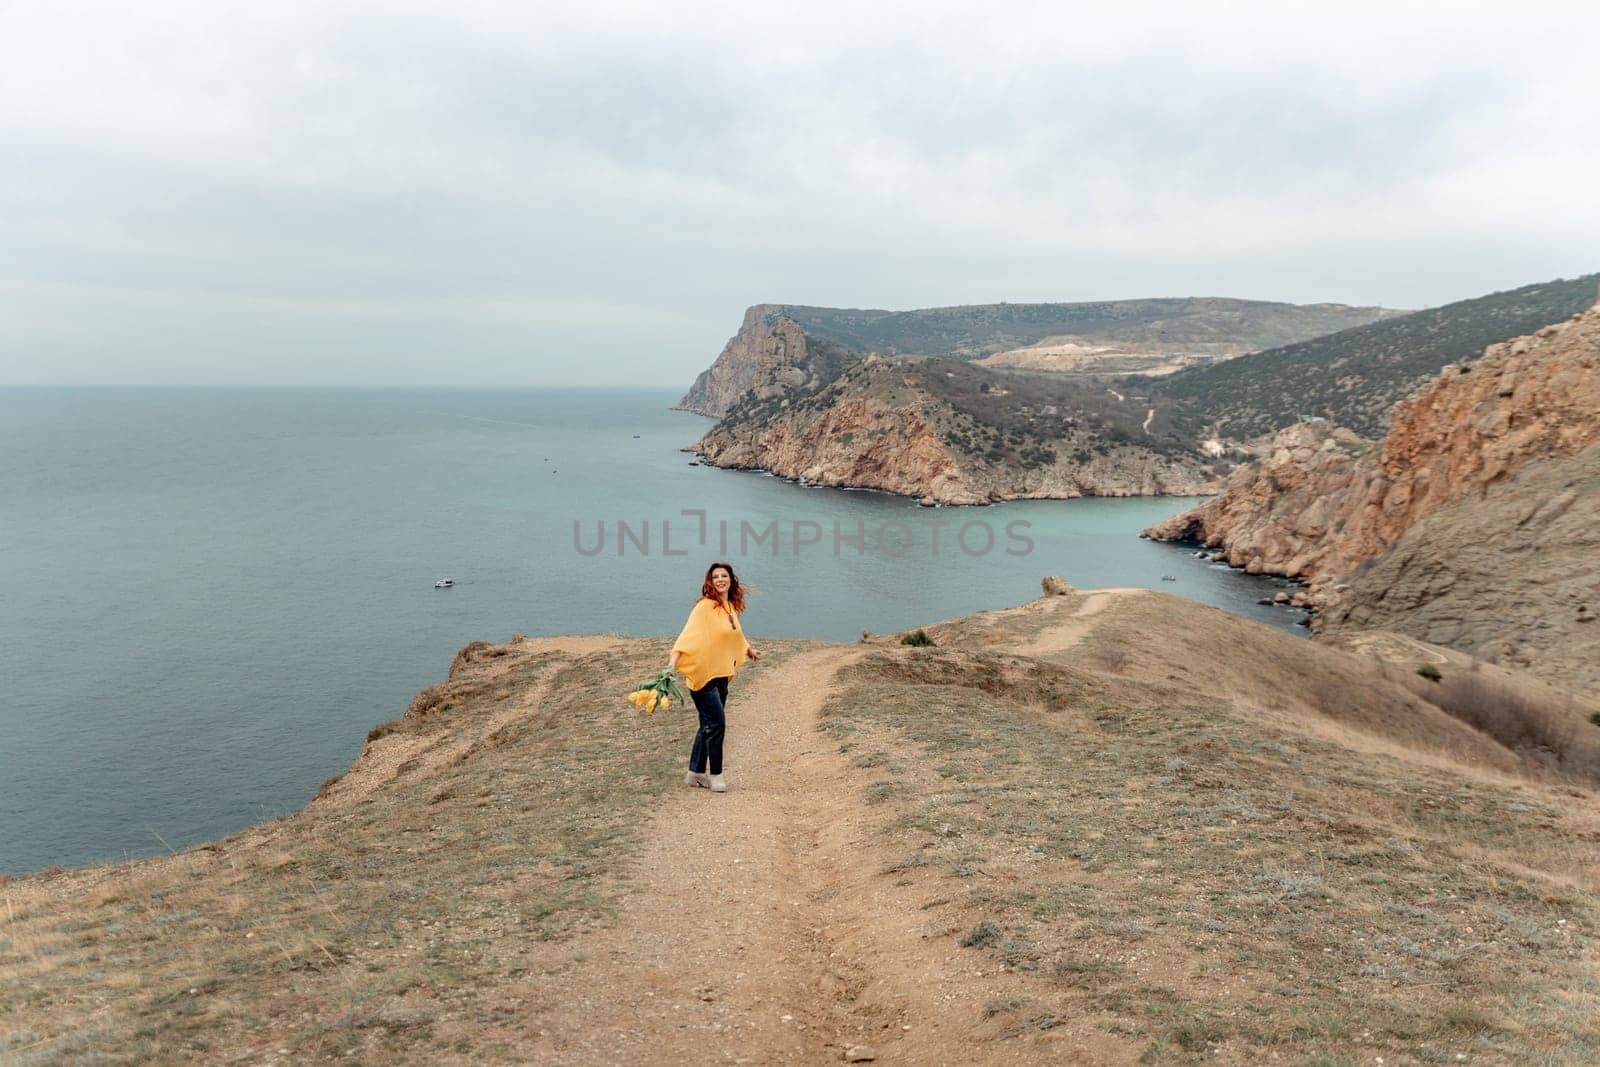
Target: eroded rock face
point(1323, 503)
point(1275, 516)
point(1511, 576)
point(865, 442)
point(733, 372)
point(823, 414)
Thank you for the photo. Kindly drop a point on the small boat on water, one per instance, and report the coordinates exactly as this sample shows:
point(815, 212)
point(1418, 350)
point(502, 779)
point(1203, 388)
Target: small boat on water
point(445, 583)
point(1169, 577)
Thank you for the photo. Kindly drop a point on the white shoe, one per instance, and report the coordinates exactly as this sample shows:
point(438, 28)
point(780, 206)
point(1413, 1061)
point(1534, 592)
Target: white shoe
point(704, 781)
point(718, 785)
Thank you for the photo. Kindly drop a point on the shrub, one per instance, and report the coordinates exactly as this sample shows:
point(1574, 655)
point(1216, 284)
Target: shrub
point(917, 639)
point(1112, 657)
point(1542, 728)
point(1430, 672)
point(1595, 718)
point(981, 936)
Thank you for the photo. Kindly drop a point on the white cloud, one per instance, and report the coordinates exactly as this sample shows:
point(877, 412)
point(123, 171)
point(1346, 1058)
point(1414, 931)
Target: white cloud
point(379, 182)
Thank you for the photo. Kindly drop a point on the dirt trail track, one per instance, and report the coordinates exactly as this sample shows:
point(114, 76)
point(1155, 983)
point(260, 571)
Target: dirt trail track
point(1066, 635)
point(762, 930)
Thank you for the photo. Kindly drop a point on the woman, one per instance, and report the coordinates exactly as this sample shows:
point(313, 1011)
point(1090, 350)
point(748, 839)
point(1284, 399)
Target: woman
point(707, 654)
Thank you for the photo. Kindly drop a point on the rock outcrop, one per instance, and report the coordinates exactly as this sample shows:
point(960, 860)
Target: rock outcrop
point(899, 426)
point(1210, 325)
point(1323, 503)
point(733, 372)
point(1274, 516)
point(894, 401)
point(1356, 376)
point(1510, 576)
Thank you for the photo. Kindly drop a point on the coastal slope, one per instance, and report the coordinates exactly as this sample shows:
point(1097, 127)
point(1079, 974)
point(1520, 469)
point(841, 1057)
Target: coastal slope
point(1170, 834)
point(1481, 450)
point(948, 432)
point(1509, 576)
point(1210, 326)
point(1354, 377)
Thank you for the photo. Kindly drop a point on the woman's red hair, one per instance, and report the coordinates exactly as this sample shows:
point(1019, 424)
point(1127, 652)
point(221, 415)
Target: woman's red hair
point(735, 590)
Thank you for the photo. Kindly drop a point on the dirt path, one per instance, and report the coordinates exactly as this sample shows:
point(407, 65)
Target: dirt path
point(1062, 637)
point(723, 955)
point(1395, 648)
point(1148, 419)
point(763, 930)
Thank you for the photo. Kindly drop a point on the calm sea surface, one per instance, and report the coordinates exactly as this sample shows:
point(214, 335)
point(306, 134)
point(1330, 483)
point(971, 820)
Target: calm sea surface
point(210, 595)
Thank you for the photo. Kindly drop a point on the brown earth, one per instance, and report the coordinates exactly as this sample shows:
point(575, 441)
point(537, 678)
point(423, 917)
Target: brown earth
point(1062, 356)
point(1480, 451)
point(945, 431)
point(1212, 325)
point(1510, 577)
point(1104, 827)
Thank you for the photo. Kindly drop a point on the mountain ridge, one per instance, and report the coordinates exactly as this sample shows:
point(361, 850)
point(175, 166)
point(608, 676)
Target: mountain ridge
point(1329, 508)
point(1355, 376)
point(974, 331)
point(944, 430)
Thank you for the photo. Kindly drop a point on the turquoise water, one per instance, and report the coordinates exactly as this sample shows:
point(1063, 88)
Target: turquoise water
point(212, 594)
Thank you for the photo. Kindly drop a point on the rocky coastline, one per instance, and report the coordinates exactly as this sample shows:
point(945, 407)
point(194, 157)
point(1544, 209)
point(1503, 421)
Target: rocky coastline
point(911, 402)
point(816, 412)
point(1500, 451)
point(861, 444)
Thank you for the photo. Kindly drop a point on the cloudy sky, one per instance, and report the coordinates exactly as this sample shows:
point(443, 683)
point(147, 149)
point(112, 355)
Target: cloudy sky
point(485, 193)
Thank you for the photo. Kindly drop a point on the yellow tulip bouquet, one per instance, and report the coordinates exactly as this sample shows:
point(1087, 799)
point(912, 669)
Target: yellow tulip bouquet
point(659, 692)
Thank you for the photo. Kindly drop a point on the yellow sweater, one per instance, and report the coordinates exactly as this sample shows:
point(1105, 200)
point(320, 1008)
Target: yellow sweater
point(712, 645)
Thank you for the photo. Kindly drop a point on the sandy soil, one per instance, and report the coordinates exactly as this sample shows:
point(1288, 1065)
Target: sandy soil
point(766, 934)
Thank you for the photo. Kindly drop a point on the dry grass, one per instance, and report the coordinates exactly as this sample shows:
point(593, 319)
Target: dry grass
point(415, 909)
point(1223, 879)
point(1198, 838)
point(1545, 727)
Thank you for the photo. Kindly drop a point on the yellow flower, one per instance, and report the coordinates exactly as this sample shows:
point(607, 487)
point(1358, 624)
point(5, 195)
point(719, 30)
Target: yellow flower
point(638, 697)
point(666, 702)
point(650, 704)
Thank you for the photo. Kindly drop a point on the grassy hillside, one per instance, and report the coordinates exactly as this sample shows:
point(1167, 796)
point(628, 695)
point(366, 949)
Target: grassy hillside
point(981, 329)
point(1116, 826)
point(1001, 413)
point(1000, 416)
point(1266, 869)
point(1354, 377)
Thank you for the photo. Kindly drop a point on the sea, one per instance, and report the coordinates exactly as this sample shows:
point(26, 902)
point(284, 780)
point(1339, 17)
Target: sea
point(210, 595)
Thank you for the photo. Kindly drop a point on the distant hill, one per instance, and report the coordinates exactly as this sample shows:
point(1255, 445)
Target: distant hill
point(976, 330)
point(1471, 525)
point(1355, 376)
point(946, 430)
point(1211, 325)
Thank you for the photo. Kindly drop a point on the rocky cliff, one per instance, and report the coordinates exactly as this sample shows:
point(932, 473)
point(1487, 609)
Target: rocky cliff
point(1210, 325)
point(947, 432)
point(730, 376)
point(1322, 503)
point(1355, 377)
point(1509, 576)
point(1275, 516)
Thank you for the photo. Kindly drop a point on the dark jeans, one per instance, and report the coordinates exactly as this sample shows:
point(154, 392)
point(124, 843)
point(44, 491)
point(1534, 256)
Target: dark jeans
point(709, 701)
